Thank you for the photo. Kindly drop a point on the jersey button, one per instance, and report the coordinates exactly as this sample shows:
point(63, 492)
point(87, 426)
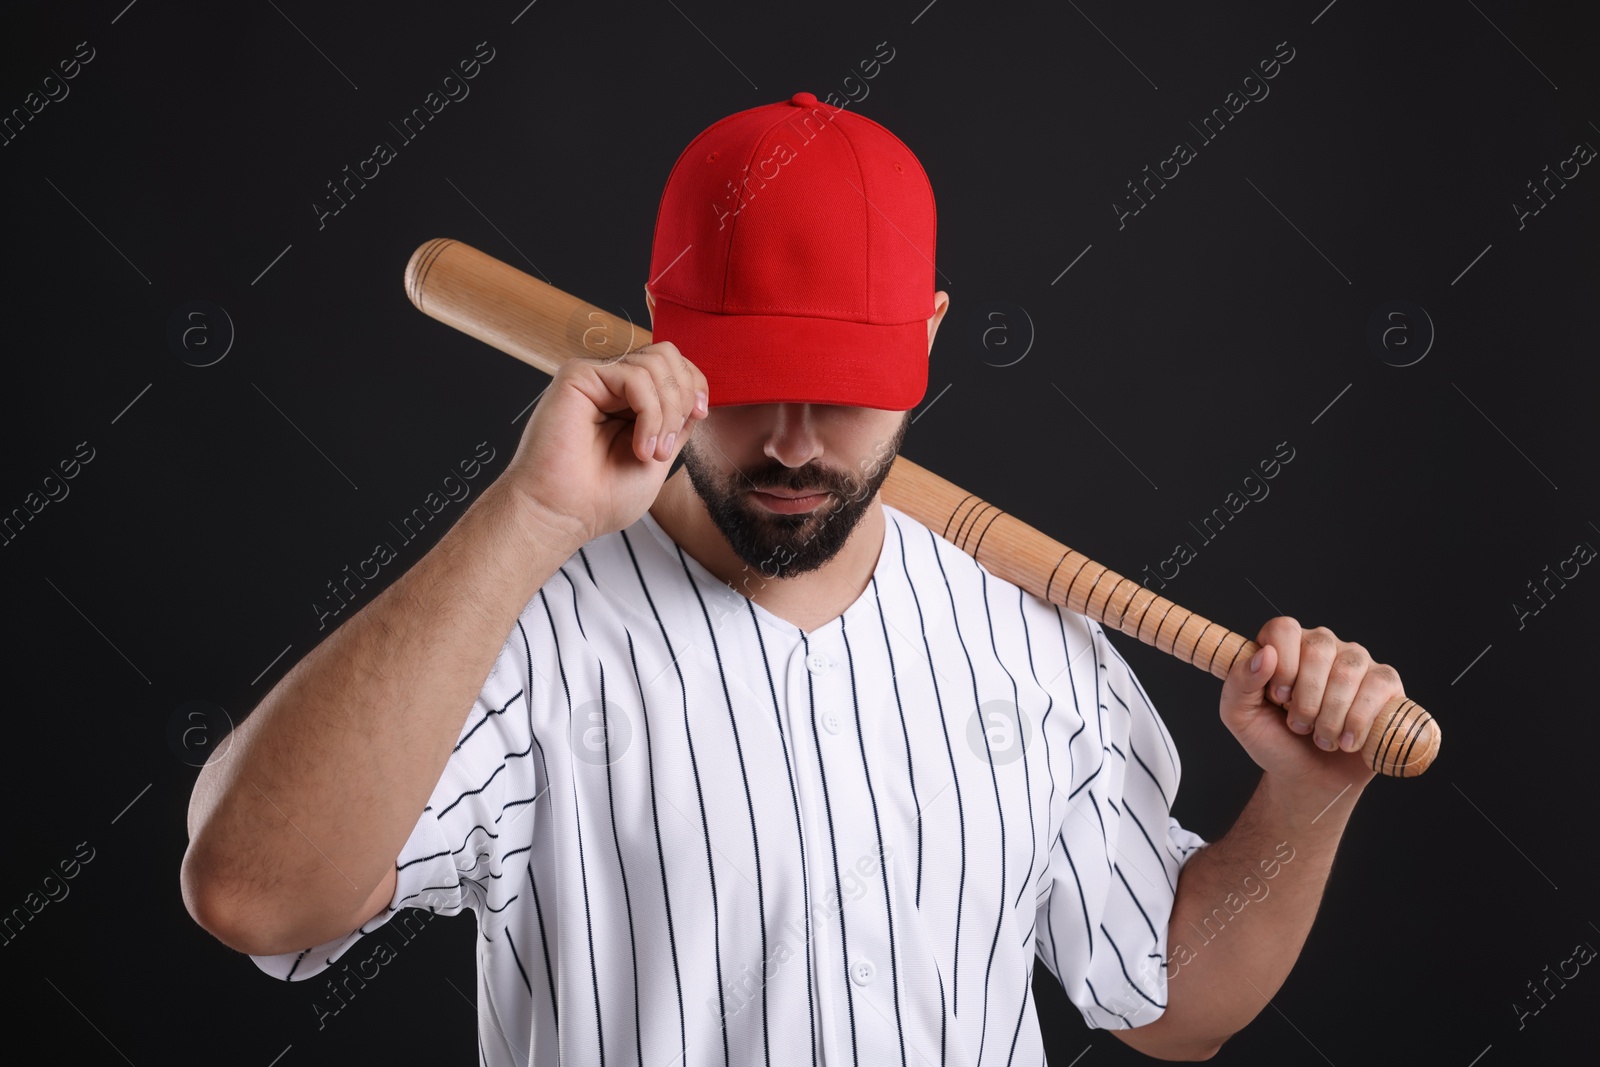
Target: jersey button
point(831, 722)
point(861, 972)
point(816, 663)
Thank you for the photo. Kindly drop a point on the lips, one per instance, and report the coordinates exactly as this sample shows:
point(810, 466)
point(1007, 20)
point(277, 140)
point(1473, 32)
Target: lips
point(792, 504)
point(790, 494)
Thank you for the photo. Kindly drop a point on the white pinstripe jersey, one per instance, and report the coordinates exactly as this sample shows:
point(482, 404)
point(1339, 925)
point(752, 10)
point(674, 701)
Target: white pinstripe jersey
point(692, 833)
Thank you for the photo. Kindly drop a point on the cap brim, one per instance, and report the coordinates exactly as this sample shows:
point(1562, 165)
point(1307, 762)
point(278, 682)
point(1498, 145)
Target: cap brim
point(773, 359)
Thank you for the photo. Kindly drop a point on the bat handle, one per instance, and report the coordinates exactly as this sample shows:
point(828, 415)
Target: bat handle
point(1403, 738)
point(1401, 742)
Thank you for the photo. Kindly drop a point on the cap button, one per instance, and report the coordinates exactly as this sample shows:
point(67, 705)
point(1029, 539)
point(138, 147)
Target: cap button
point(803, 100)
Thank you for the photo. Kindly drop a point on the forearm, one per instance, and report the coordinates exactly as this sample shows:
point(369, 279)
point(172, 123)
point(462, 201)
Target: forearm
point(1244, 906)
point(302, 811)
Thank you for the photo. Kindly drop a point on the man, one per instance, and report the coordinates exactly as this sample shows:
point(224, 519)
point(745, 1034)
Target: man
point(742, 765)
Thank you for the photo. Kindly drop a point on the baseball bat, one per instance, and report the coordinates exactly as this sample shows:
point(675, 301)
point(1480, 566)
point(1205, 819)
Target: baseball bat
point(545, 326)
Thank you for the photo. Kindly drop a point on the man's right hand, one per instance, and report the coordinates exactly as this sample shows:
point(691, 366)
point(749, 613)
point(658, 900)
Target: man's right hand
point(587, 457)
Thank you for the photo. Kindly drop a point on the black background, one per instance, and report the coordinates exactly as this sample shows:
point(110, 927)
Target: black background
point(1229, 315)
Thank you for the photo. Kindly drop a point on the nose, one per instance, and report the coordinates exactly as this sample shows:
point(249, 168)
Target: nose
point(793, 439)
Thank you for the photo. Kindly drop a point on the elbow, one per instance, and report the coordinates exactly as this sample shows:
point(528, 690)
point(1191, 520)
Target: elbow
point(1204, 1052)
point(1161, 1043)
point(1191, 1051)
point(1185, 1053)
point(206, 900)
point(222, 911)
point(236, 911)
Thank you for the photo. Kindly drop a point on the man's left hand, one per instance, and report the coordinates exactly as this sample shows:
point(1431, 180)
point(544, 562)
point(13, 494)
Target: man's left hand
point(1307, 682)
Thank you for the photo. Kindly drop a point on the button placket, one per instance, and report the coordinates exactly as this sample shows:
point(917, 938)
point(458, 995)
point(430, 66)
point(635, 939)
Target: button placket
point(813, 697)
point(819, 666)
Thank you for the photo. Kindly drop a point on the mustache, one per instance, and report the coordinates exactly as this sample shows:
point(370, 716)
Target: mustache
point(792, 482)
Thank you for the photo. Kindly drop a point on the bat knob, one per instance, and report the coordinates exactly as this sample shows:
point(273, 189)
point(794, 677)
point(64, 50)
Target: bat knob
point(1403, 740)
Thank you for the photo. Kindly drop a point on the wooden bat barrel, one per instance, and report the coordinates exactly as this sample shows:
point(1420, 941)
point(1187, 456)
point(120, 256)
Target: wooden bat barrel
point(544, 326)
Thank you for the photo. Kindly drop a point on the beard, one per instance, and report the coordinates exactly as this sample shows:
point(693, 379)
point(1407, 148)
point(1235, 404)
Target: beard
point(782, 546)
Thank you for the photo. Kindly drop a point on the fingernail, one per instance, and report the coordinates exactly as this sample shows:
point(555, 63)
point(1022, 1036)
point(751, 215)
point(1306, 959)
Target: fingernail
point(1255, 663)
point(1347, 741)
point(1324, 744)
point(650, 446)
point(699, 400)
point(1282, 693)
point(1300, 727)
point(671, 437)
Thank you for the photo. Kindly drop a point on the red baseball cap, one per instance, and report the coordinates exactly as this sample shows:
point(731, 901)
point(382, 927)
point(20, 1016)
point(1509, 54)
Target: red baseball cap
point(793, 259)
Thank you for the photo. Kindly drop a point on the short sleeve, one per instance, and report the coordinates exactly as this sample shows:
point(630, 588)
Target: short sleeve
point(1117, 851)
point(478, 819)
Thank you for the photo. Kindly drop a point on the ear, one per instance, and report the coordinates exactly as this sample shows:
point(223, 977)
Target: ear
point(941, 304)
